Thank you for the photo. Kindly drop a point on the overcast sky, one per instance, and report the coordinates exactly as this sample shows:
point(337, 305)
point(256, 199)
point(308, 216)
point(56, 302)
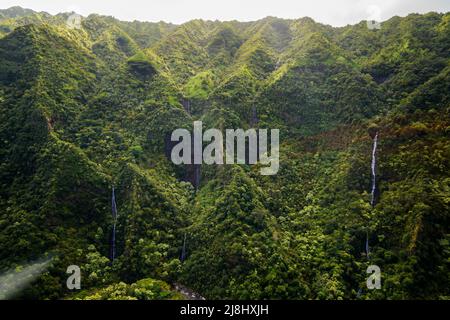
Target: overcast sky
point(334, 12)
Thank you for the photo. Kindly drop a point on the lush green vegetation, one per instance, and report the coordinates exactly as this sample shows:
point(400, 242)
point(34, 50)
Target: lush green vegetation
point(82, 110)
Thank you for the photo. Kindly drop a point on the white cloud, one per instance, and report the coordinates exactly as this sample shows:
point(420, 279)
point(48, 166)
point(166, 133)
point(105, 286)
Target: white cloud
point(332, 12)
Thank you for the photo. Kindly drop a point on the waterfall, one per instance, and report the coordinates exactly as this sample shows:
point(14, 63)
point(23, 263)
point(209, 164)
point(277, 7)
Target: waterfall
point(367, 245)
point(374, 185)
point(374, 165)
point(183, 251)
point(254, 118)
point(196, 176)
point(187, 105)
point(114, 215)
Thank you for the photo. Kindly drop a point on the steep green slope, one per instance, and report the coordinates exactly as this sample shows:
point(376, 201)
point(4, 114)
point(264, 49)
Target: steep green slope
point(54, 193)
point(85, 110)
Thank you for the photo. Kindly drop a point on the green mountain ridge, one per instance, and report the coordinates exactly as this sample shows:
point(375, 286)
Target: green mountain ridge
point(83, 110)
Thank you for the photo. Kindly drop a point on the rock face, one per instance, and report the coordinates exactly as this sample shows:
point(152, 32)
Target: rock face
point(191, 172)
point(186, 105)
point(141, 69)
point(187, 293)
point(141, 66)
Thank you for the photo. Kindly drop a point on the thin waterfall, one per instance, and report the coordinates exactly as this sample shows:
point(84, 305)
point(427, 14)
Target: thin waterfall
point(114, 215)
point(254, 118)
point(183, 251)
point(374, 165)
point(187, 105)
point(367, 245)
point(374, 186)
point(196, 176)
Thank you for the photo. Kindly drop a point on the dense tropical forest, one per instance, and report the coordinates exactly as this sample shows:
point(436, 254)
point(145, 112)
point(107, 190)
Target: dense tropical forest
point(84, 109)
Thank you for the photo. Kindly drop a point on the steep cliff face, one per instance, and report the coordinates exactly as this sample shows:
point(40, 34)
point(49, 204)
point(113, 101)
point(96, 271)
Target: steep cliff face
point(85, 109)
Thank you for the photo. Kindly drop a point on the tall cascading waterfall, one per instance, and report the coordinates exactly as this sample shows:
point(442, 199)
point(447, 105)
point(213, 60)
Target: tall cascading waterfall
point(114, 215)
point(374, 185)
point(374, 166)
point(372, 196)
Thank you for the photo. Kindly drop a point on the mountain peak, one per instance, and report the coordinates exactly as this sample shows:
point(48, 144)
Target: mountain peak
point(16, 11)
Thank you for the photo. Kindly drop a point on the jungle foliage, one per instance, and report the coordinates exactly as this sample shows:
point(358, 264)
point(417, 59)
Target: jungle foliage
point(82, 110)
